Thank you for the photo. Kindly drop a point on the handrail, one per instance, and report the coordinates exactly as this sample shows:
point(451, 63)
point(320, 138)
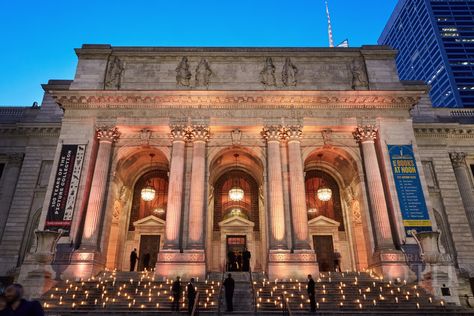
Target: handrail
point(195, 310)
point(254, 292)
point(286, 306)
point(220, 290)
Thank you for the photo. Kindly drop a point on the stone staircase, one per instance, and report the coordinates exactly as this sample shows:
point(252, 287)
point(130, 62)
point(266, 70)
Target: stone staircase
point(353, 293)
point(124, 293)
point(243, 295)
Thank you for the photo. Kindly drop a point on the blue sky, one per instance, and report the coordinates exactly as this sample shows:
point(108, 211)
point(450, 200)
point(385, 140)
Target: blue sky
point(38, 37)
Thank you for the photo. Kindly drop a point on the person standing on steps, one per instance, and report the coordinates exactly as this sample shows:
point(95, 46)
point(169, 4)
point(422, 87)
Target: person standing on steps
point(191, 295)
point(311, 293)
point(230, 260)
point(337, 261)
point(229, 286)
point(133, 259)
point(176, 290)
point(246, 258)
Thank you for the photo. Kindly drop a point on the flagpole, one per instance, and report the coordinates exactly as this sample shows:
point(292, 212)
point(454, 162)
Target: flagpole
point(331, 40)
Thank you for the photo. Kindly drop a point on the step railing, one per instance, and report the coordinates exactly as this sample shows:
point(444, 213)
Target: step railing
point(195, 310)
point(254, 292)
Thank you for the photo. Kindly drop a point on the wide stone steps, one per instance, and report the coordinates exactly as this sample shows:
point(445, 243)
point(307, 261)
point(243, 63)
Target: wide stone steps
point(348, 293)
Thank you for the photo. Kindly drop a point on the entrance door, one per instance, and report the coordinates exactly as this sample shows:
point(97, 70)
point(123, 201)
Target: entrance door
point(149, 248)
point(235, 248)
point(324, 248)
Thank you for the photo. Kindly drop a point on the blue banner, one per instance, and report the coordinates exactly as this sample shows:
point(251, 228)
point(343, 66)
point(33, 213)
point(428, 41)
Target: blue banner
point(410, 193)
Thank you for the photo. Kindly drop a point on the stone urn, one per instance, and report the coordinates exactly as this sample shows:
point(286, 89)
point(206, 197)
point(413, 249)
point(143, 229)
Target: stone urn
point(429, 246)
point(46, 241)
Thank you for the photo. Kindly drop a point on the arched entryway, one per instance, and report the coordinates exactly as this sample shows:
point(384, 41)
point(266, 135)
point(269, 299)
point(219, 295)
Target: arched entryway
point(334, 199)
point(236, 210)
point(135, 221)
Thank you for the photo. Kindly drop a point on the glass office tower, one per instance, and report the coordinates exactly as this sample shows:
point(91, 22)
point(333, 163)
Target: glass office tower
point(435, 40)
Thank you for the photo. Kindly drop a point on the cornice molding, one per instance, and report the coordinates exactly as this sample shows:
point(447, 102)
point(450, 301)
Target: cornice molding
point(444, 132)
point(41, 131)
point(390, 100)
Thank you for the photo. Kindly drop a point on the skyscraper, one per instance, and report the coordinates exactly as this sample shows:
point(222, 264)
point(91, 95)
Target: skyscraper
point(435, 40)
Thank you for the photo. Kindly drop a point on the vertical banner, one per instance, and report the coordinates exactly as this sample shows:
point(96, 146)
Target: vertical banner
point(410, 193)
point(66, 184)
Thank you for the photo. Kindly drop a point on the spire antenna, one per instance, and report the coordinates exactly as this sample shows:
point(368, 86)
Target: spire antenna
point(331, 40)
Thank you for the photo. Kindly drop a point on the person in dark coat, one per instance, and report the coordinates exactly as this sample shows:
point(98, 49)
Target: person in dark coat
point(17, 305)
point(4, 310)
point(176, 291)
point(246, 260)
point(191, 295)
point(146, 261)
point(133, 259)
point(337, 261)
point(311, 293)
point(230, 260)
point(229, 286)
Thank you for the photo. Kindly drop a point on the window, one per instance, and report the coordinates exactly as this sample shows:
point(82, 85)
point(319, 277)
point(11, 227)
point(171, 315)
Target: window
point(2, 167)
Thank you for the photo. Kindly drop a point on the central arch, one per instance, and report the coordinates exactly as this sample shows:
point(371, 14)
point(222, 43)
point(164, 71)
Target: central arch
point(235, 223)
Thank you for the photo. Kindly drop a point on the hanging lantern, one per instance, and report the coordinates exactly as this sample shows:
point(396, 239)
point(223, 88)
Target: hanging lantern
point(324, 194)
point(148, 193)
point(236, 194)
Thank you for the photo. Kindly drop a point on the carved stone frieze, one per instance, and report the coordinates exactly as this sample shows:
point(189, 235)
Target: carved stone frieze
point(291, 257)
point(181, 257)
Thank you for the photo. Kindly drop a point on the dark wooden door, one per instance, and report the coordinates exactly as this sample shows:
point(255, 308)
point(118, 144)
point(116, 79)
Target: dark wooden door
point(235, 244)
point(149, 244)
point(324, 248)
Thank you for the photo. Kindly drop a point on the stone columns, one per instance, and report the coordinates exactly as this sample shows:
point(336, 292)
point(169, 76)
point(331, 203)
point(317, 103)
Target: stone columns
point(273, 135)
point(365, 136)
point(297, 188)
point(179, 135)
point(465, 186)
point(199, 136)
point(10, 178)
point(90, 236)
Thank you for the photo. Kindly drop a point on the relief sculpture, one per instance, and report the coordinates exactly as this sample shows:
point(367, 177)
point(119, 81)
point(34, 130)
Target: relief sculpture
point(267, 75)
point(359, 77)
point(203, 73)
point(183, 75)
point(113, 76)
point(289, 74)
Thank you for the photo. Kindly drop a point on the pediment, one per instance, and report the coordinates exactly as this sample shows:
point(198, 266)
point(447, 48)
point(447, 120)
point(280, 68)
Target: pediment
point(323, 221)
point(149, 221)
point(236, 221)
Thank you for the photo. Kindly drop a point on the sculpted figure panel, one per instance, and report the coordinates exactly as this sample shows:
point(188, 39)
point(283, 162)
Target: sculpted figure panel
point(359, 76)
point(183, 75)
point(267, 75)
point(289, 73)
point(203, 73)
point(113, 76)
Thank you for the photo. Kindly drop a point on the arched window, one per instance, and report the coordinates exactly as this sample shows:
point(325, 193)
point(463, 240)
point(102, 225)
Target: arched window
point(158, 179)
point(316, 179)
point(225, 207)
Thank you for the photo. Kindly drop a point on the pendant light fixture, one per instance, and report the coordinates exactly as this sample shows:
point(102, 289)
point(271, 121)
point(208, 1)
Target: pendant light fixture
point(236, 193)
point(148, 192)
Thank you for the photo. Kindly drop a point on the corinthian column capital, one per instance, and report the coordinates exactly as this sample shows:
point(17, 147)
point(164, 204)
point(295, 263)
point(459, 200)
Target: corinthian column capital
point(293, 132)
point(107, 134)
point(273, 132)
point(366, 133)
point(458, 159)
point(179, 133)
point(199, 133)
